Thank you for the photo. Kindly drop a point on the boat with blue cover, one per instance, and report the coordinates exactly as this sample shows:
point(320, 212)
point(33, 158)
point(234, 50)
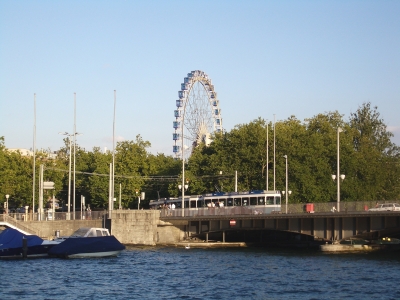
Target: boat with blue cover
point(87, 242)
point(15, 244)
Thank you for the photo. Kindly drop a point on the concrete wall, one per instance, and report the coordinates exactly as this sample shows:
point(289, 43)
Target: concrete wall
point(170, 233)
point(142, 227)
point(137, 227)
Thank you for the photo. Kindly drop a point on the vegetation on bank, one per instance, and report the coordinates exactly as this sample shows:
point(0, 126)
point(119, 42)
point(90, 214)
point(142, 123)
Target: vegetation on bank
point(368, 158)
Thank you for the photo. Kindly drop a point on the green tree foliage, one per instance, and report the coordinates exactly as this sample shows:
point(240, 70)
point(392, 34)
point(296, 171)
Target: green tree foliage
point(375, 167)
point(368, 158)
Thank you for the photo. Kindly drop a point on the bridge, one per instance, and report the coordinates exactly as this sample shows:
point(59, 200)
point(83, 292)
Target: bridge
point(297, 227)
point(229, 224)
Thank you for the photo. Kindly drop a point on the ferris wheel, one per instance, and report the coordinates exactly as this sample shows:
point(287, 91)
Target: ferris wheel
point(197, 115)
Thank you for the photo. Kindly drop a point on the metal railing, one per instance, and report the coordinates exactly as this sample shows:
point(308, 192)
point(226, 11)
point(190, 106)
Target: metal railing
point(16, 224)
point(327, 207)
point(22, 217)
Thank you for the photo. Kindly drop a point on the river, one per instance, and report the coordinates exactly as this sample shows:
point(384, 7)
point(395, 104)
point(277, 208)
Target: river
point(178, 273)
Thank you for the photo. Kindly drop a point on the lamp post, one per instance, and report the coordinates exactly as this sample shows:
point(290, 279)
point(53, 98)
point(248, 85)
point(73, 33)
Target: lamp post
point(185, 187)
point(7, 196)
point(339, 130)
point(288, 193)
point(138, 204)
point(69, 172)
point(286, 188)
point(341, 177)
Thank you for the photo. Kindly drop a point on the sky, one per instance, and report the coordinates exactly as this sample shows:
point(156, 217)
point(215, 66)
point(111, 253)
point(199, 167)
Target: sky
point(264, 58)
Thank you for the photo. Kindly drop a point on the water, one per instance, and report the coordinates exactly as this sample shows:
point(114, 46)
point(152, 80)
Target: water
point(172, 273)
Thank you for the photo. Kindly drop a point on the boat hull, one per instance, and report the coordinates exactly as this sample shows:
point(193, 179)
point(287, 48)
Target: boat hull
point(347, 248)
point(14, 244)
point(75, 247)
point(32, 252)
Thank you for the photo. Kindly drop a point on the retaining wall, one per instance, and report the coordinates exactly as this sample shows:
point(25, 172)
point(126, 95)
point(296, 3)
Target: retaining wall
point(135, 227)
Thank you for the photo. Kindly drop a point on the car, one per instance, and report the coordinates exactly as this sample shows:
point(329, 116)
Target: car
point(386, 207)
point(20, 210)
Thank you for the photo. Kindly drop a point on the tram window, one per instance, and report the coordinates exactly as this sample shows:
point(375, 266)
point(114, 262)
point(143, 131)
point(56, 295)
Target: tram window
point(253, 201)
point(200, 203)
point(207, 202)
point(270, 200)
point(178, 205)
point(237, 202)
point(222, 202)
point(193, 204)
point(278, 200)
point(230, 202)
point(245, 201)
point(261, 200)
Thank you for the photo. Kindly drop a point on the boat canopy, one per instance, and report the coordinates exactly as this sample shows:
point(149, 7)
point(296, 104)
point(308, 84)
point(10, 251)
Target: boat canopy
point(90, 232)
point(12, 238)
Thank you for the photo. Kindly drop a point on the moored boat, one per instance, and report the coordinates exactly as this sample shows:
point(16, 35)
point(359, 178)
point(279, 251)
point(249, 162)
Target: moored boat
point(348, 245)
point(15, 244)
point(88, 242)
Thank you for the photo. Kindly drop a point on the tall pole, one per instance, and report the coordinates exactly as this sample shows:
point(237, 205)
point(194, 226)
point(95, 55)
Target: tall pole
point(69, 177)
point(338, 170)
point(266, 165)
point(7, 196)
point(73, 195)
point(69, 171)
point(235, 181)
point(120, 189)
point(113, 156)
point(110, 200)
point(286, 186)
point(34, 155)
point(274, 154)
point(41, 193)
point(183, 177)
point(183, 167)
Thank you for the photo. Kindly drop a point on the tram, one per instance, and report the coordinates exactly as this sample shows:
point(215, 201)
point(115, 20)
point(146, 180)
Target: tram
point(265, 201)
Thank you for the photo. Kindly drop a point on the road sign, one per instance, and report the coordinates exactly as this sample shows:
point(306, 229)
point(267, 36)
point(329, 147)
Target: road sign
point(48, 185)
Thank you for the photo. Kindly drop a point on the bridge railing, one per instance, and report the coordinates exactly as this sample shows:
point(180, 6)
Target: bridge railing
point(345, 207)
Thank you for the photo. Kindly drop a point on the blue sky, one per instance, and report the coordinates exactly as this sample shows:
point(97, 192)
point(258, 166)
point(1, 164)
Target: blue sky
point(264, 57)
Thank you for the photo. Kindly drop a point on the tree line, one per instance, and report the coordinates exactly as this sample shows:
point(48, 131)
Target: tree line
point(368, 159)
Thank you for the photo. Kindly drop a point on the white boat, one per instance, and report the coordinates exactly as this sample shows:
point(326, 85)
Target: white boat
point(348, 245)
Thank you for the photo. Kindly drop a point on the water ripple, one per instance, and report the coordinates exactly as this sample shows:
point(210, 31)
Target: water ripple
point(172, 273)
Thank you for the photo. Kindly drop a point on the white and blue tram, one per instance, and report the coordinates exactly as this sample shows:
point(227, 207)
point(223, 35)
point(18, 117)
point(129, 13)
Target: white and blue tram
point(263, 201)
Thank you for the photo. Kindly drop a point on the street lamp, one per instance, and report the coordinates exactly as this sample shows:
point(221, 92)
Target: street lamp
point(286, 189)
point(69, 172)
point(183, 176)
point(342, 177)
point(287, 194)
point(138, 204)
point(339, 130)
point(7, 196)
point(186, 186)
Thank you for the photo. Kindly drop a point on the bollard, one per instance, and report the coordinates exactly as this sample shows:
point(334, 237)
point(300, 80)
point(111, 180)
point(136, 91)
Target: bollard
point(24, 247)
